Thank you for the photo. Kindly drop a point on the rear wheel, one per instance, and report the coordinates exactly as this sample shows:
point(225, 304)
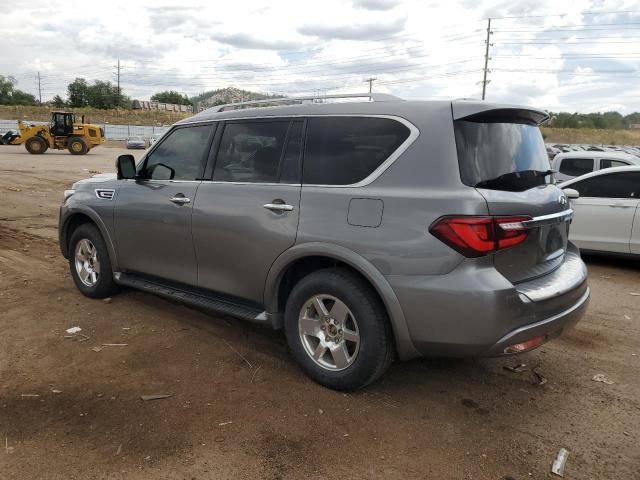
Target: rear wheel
point(36, 145)
point(337, 329)
point(77, 146)
point(89, 262)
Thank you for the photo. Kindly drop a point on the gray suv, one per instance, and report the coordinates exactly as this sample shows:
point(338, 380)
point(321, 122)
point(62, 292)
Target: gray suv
point(368, 230)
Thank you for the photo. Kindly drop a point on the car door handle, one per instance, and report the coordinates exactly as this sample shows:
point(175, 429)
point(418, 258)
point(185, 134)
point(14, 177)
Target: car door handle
point(619, 205)
point(180, 200)
point(278, 207)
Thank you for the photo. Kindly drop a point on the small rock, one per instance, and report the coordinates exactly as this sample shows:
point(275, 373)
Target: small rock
point(320, 411)
point(107, 300)
point(599, 377)
point(219, 439)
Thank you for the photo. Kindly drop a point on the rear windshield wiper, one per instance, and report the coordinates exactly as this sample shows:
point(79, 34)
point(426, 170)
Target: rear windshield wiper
point(515, 180)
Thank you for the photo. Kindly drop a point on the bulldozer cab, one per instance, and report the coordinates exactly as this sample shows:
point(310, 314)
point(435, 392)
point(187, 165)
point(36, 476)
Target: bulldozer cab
point(61, 124)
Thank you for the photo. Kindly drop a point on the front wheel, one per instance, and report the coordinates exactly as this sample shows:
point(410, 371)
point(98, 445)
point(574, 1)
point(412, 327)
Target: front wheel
point(90, 264)
point(36, 145)
point(337, 329)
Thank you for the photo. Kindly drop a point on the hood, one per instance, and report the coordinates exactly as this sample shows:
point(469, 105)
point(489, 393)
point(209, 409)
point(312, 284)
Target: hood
point(99, 178)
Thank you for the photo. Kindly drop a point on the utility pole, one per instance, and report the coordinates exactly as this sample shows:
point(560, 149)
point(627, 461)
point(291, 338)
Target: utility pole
point(39, 89)
point(486, 58)
point(118, 90)
point(371, 80)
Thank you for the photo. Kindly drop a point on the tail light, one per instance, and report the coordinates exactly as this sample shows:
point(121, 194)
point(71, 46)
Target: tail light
point(478, 236)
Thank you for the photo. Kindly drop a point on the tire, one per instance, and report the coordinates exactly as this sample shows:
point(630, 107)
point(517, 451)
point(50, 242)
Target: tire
point(346, 296)
point(36, 145)
point(87, 249)
point(77, 146)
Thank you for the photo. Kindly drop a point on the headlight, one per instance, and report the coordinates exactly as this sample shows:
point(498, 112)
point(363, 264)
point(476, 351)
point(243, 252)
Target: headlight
point(67, 195)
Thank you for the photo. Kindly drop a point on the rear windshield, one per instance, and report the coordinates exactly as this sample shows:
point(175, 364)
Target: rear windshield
point(501, 156)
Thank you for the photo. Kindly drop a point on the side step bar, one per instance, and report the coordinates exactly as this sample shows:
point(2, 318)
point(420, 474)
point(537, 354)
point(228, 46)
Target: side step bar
point(198, 299)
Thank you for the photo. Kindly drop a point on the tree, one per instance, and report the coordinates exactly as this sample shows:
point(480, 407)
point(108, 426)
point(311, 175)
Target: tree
point(9, 95)
point(58, 101)
point(77, 91)
point(171, 96)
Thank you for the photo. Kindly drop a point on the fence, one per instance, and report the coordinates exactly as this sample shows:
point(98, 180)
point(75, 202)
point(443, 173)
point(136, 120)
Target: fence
point(111, 132)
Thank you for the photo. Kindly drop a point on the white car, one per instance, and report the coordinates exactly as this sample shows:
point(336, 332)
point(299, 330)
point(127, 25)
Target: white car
point(573, 164)
point(607, 214)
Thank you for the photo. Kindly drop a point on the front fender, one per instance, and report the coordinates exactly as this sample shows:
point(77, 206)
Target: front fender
point(67, 213)
point(404, 345)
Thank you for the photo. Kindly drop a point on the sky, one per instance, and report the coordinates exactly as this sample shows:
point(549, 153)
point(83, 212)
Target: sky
point(581, 55)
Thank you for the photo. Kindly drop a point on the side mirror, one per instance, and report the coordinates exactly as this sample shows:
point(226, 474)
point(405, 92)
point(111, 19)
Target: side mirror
point(571, 193)
point(126, 167)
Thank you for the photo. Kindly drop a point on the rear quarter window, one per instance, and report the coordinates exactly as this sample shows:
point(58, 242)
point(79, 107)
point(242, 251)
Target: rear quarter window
point(346, 150)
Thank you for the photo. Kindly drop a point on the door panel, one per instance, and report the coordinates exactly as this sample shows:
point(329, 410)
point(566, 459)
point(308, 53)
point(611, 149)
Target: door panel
point(153, 213)
point(602, 223)
point(248, 215)
point(153, 234)
point(237, 239)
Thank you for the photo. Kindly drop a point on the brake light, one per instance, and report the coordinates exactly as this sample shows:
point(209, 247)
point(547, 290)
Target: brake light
point(478, 236)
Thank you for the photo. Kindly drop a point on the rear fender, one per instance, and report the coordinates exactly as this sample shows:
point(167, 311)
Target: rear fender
point(404, 345)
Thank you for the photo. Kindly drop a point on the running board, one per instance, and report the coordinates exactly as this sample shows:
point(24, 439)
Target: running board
point(198, 298)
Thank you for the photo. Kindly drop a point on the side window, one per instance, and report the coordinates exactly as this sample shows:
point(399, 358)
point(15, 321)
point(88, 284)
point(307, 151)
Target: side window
point(606, 163)
point(613, 185)
point(576, 166)
point(180, 156)
point(250, 151)
point(346, 150)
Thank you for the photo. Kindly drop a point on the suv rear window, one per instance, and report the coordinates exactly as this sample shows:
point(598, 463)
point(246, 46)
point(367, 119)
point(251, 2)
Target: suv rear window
point(346, 150)
point(501, 156)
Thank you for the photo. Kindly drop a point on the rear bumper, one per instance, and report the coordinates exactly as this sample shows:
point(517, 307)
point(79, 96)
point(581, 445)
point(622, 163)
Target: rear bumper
point(475, 311)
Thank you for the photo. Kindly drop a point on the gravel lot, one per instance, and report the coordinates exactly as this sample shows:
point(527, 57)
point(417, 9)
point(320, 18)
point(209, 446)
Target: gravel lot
point(240, 408)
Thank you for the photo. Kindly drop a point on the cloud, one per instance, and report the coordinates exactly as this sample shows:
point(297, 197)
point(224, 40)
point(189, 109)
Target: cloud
point(244, 40)
point(376, 4)
point(356, 31)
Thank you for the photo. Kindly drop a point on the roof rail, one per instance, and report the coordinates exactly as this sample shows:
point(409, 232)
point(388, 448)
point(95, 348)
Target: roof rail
point(374, 97)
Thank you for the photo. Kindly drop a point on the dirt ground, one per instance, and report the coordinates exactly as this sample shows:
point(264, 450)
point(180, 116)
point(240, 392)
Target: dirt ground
point(240, 407)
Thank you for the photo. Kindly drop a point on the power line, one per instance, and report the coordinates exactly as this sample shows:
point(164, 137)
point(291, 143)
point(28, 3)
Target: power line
point(615, 12)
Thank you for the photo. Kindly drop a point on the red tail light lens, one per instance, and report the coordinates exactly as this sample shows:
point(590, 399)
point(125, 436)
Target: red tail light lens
point(478, 236)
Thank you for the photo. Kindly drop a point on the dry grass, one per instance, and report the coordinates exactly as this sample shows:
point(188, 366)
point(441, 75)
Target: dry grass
point(591, 135)
point(92, 115)
point(139, 117)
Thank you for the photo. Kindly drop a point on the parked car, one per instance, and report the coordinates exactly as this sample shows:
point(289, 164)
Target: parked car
point(154, 138)
point(607, 217)
point(573, 164)
point(552, 152)
point(136, 142)
point(405, 229)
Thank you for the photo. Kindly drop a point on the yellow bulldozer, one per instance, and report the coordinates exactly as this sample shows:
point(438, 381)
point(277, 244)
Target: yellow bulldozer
point(63, 133)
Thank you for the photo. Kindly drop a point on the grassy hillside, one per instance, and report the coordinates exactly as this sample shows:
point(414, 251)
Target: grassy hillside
point(591, 135)
point(229, 95)
point(92, 115)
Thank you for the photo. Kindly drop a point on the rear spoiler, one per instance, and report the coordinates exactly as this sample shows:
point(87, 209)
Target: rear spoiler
point(476, 111)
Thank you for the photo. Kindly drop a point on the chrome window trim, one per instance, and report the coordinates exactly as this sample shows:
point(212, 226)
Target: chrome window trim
point(413, 135)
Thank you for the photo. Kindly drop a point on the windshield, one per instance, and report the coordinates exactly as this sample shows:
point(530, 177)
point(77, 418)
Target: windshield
point(501, 156)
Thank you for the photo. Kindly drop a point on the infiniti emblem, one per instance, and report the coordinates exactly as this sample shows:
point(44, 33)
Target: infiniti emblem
point(562, 200)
